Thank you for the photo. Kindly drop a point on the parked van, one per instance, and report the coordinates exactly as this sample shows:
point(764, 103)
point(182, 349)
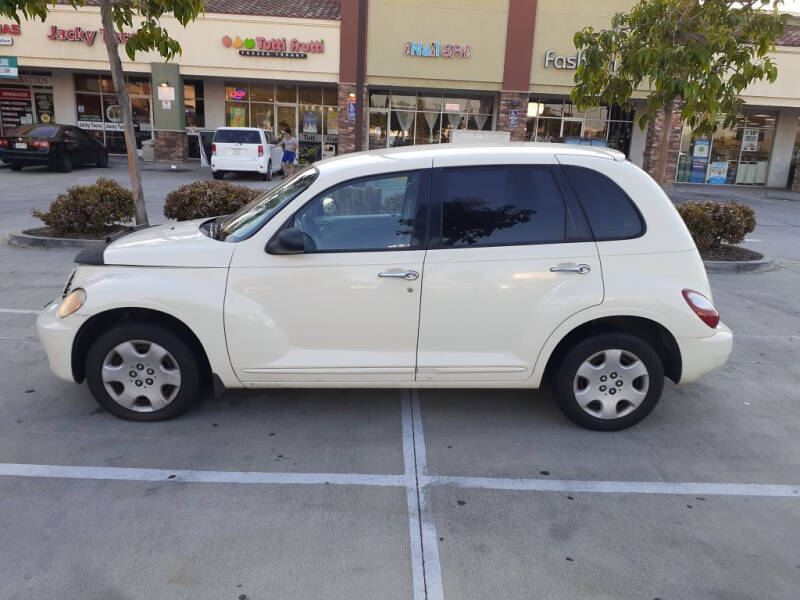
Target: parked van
point(245, 150)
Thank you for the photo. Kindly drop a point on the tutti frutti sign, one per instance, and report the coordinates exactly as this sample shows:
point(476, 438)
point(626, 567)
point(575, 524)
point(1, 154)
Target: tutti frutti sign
point(274, 47)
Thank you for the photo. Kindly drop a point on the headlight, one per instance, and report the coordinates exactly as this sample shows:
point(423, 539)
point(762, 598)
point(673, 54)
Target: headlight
point(72, 302)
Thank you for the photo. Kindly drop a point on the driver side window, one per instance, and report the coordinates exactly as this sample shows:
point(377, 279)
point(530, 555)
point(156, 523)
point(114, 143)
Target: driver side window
point(385, 212)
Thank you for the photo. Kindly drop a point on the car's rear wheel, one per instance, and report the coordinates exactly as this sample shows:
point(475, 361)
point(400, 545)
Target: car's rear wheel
point(65, 163)
point(268, 174)
point(143, 372)
point(609, 382)
point(16, 167)
point(219, 174)
point(103, 161)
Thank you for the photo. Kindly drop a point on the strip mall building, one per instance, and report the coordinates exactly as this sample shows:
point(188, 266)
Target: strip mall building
point(363, 74)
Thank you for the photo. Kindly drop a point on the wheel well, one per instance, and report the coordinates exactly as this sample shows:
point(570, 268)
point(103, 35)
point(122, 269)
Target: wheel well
point(101, 322)
point(654, 333)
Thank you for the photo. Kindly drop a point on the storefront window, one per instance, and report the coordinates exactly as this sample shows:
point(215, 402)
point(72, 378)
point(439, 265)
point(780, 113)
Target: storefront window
point(25, 100)
point(739, 154)
point(311, 111)
point(194, 104)
point(551, 120)
point(424, 118)
point(99, 112)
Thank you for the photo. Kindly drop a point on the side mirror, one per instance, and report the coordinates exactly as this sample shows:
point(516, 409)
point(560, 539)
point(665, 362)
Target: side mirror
point(288, 241)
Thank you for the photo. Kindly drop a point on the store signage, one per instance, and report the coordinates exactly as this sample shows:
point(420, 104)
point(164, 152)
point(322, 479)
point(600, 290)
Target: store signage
point(700, 161)
point(238, 94)
point(6, 94)
point(437, 50)
point(351, 111)
point(10, 29)
point(513, 117)
point(750, 140)
point(8, 67)
point(87, 36)
point(32, 79)
point(718, 172)
point(6, 40)
point(274, 47)
point(562, 62)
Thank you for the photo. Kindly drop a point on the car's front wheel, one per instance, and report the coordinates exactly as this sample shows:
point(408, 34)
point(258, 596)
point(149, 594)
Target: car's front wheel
point(102, 162)
point(143, 372)
point(219, 174)
point(609, 382)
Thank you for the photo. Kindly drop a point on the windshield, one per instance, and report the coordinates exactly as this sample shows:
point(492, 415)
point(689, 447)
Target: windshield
point(249, 219)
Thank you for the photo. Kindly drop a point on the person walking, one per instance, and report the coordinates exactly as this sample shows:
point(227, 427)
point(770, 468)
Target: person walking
point(289, 143)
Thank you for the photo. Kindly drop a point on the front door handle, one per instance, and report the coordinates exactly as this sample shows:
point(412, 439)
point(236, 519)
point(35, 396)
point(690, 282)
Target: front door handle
point(581, 269)
point(406, 275)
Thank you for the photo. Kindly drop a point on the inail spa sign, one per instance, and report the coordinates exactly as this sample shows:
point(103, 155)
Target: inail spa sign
point(437, 50)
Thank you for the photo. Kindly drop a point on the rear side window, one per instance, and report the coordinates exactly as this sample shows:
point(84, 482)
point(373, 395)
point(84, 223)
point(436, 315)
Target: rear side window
point(612, 214)
point(501, 205)
point(41, 131)
point(242, 136)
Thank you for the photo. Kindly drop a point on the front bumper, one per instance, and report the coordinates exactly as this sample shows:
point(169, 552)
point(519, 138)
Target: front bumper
point(57, 337)
point(703, 355)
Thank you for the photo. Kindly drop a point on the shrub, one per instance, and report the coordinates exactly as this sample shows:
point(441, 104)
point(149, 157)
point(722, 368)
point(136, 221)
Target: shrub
point(89, 209)
point(712, 223)
point(205, 199)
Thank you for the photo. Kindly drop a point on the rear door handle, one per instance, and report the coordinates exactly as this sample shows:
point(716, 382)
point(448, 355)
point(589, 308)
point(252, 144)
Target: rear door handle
point(406, 275)
point(580, 269)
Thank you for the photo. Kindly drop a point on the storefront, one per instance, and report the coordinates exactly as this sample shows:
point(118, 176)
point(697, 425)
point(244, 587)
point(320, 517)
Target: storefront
point(26, 99)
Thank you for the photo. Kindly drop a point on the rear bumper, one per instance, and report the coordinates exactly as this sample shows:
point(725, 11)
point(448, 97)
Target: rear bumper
point(25, 158)
point(703, 355)
point(242, 166)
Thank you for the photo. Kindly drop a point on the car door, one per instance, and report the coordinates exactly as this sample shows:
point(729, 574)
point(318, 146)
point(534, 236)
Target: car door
point(510, 257)
point(276, 152)
point(86, 151)
point(345, 309)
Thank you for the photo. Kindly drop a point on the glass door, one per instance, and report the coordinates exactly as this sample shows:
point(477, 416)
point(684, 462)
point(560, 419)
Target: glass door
point(571, 128)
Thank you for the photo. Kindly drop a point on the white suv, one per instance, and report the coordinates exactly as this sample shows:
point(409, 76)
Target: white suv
point(453, 266)
point(245, 149)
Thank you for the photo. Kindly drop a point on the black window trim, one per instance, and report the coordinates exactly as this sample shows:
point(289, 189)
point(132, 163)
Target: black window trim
point(436, 222)
point(636, 210)
point(424, 201)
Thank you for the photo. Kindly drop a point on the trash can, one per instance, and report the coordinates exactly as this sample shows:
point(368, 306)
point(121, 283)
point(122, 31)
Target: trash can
point(148, 151)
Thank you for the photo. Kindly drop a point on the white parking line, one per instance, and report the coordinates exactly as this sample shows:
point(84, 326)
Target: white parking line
point(19, 311)
point(424, 539)
point(193, 476)
point(618, 487)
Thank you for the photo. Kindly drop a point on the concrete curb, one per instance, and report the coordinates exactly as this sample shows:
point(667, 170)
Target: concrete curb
point(23, 240)
point(739, 266)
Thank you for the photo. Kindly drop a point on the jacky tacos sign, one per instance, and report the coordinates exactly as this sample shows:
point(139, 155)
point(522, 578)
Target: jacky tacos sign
point(274, 47)
point(88, 36)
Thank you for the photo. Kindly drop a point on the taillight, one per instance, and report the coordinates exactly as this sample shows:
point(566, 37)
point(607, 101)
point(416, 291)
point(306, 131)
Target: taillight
point(4, 143)
point(702, 307)
point(43, 144)
point(213, 149)
point(260, 150)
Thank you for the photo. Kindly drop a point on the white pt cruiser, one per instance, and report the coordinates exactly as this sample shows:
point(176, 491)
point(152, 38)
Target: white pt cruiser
point(509, 266)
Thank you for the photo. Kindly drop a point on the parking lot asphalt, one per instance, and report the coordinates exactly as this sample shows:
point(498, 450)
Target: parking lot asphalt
point(399, 494)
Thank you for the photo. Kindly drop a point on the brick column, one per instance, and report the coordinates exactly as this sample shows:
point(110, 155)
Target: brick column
point(652, 145)
point(171, 146)
point(513, 101)
point(347, 128)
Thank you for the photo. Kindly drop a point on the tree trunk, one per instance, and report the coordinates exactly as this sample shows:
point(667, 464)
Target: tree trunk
point(124, 100)
point(663, 151)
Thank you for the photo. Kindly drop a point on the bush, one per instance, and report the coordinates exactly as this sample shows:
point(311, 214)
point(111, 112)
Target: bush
point(89, 209)
point(205, 199)
point(712, 223)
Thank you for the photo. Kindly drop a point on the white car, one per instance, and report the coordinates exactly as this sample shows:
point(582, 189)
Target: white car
point(243, 150)
point(510, 266)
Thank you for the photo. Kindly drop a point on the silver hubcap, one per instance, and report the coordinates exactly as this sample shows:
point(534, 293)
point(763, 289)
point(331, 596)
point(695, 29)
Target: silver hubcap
point(141, 375)
point(611, 384)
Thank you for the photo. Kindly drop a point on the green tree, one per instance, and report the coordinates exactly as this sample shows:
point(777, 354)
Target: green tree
point(691, 56)
point(150, 35)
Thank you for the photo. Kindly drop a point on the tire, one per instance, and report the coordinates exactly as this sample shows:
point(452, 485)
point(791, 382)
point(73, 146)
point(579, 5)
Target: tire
point(608, 400)
point(268, 174)
point(219, 174)
point(65, 163)
point(103, 162)
point(156, 351)
point(16, 167)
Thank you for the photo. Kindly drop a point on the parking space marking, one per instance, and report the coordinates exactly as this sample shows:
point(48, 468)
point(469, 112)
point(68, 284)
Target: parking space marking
point(424, 540)
point(19, 311)
point(618, 487)
point(195, 476)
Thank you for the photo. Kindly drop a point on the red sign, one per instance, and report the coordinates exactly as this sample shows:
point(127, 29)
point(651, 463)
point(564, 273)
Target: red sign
point(6, 94)
point(10, 29)
point(88, 36)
